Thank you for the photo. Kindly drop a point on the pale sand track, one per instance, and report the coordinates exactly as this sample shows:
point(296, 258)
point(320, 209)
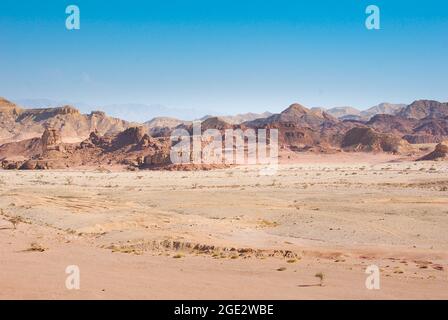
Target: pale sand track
point(124, 228)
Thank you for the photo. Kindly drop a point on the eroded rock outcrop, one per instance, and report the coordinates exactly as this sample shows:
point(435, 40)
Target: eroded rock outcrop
point(50, 139)
point(439, 153)
point(128, 148)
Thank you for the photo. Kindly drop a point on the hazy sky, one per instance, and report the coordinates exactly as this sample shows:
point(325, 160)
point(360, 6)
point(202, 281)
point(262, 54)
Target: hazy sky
point(225, 55)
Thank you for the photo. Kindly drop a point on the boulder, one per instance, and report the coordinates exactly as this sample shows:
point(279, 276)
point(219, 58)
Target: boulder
point(28, 165)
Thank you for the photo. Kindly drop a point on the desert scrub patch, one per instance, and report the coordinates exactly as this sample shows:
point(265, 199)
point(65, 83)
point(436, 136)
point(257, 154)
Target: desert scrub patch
point(36, 247)
point(267, 224)
point(68, 181)
point(15, 221)
point(321, 277)
point(281, 269)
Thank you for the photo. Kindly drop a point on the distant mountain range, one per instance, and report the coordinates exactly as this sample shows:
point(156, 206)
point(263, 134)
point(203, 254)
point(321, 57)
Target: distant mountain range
point(135, 112)
point(350, 113)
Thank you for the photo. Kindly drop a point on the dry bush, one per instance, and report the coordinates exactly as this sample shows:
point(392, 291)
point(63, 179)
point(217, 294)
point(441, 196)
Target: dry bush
point(321, 277)
point(68, 181)
point(281, 269)
point(15, 221)
point(36, 247)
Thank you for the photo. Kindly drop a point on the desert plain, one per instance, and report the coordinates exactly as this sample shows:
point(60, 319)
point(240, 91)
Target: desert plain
point(307, 232)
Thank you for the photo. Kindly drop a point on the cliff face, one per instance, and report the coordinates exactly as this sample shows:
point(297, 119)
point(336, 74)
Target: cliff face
point(18, 124)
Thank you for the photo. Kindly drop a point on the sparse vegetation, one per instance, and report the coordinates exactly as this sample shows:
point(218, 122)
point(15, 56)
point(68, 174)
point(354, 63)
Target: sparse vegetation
point(281, 269)
point(15, 221)
point(321, 277)
point(268, 224)
point(68, 181)
point(36, 247)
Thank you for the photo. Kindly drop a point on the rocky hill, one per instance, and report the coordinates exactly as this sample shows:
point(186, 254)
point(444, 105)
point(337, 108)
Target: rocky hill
point(422, 121)
point(367, 139)
point(301, 127)
point(162, 126)
point(382, 108)
point(350, 113)
point(421, 109)
point(392, 124)
point(345, 112)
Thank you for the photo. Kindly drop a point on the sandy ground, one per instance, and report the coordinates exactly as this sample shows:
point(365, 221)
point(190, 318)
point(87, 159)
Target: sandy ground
point(228, 234)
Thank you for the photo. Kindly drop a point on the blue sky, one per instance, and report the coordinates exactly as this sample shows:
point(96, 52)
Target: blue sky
point(227, 56)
